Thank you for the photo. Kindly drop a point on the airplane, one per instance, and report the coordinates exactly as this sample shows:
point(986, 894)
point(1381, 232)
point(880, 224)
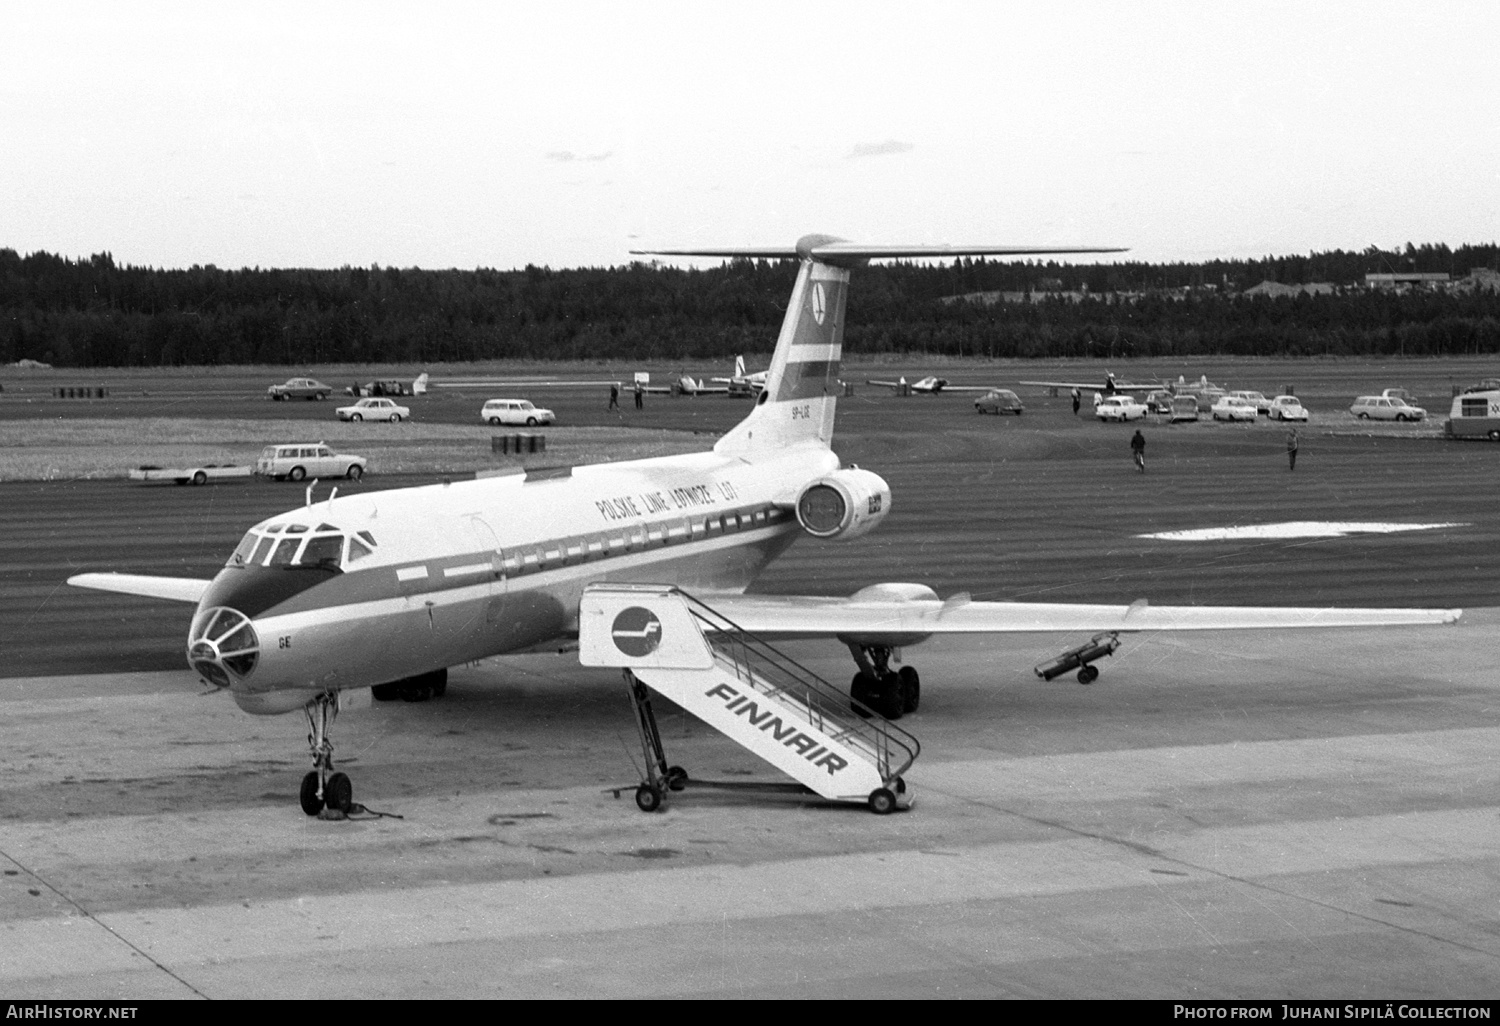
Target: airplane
point(385, 590)
point(741, 384)
point(929, 386)
point(1110, 385)
point(388, 386)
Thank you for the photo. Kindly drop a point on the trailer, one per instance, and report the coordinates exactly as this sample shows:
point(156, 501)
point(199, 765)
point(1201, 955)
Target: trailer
point(1475, 413)
point(188, 475)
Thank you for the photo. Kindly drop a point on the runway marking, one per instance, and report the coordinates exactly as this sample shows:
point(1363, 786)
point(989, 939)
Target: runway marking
point(1293, 529)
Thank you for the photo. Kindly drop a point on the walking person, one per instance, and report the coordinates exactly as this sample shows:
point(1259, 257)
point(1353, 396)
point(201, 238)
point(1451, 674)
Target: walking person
point(1138, 450)
point(614, 397)
point(1077, 401)
point(1291, 449)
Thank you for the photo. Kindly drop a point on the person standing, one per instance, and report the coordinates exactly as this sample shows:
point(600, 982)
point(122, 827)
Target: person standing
point(1138, 450)
point(614, 397)
point(1077, 401)
point(1291, 449)
point(640, 403)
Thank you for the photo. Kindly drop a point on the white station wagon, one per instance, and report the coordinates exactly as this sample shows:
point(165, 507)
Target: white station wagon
point(1120, 408)
point(304, 459)
point(1380, 407)
point(515, 411)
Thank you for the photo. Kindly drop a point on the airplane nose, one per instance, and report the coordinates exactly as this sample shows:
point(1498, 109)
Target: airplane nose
point(223, 646)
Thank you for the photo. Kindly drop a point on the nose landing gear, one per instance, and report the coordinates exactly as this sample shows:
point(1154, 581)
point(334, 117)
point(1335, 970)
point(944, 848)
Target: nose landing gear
point(323, 788)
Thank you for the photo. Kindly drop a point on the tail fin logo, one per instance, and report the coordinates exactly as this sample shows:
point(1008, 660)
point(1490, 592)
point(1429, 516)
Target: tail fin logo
point(819, 302)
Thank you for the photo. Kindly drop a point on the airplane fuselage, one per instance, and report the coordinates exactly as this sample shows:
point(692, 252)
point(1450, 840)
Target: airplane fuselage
point(376, 587)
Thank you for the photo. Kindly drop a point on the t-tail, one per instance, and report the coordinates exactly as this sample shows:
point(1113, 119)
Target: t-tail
point(802, 384)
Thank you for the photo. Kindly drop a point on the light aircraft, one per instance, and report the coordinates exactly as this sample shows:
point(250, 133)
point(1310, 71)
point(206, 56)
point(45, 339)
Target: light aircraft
point(741, 384)
point(1110, 385)
point(387, 589)
point(929, 386)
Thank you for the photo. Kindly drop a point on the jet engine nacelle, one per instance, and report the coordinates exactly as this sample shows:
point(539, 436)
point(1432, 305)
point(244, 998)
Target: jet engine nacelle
point(844, 504)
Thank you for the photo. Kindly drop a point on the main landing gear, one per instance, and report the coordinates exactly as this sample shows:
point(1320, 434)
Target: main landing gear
point(891, 693)
point(323, 787)
point(413, 689)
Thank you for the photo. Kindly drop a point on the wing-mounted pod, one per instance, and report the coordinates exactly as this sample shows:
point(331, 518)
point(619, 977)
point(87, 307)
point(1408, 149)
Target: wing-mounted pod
point(844, 504)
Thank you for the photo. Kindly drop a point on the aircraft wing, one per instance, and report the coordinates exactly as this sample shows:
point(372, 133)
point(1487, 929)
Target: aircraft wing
point(888, 384)
point(1096, 386)
point(968, 388)
point(518, 383)
point(175, 589)
point(805, 617)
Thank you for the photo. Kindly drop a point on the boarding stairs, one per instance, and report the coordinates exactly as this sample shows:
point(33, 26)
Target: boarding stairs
point(667, 641)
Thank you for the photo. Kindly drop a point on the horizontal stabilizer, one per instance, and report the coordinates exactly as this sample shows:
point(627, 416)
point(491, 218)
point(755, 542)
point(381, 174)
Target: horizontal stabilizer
point(174, 589)
point(846, 254)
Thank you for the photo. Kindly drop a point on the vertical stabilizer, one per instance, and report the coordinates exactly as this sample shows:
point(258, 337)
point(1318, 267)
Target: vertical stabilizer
point(802, 383)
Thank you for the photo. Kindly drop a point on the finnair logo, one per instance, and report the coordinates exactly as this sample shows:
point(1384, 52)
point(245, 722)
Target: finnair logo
point(636, 631)
point(819, 302)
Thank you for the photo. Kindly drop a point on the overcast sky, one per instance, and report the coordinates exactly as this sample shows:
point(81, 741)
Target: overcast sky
point(497, 135)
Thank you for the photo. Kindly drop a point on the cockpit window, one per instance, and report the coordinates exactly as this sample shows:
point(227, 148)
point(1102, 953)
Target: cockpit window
point(297, 545)
point(323, 549)
point(244, 549)
point(285, 551)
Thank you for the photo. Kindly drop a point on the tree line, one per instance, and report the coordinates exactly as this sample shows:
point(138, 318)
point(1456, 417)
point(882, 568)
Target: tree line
point(94, 313)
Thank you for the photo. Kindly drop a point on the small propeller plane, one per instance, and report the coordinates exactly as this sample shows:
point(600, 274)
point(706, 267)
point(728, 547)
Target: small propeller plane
point(741, 384)
point(387, 589)
point(928, 386)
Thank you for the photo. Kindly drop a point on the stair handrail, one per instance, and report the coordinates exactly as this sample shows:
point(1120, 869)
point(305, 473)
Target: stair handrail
point(752, 657)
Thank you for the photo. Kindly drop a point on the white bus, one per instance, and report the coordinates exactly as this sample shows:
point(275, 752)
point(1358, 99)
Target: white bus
point(1476, 412)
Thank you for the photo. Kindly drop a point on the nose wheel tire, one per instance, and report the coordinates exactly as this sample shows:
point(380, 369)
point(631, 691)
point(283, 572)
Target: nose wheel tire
point(1088, 675)
point(338, 794)
point(648, 798)
point(311, 803)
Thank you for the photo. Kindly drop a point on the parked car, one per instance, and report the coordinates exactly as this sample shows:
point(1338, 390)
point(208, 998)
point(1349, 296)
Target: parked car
point(1120, 408)
point(1287, 407)
point(300, 388)
point(999, 401)
point(1184, 407)
point(1232, 407)
point(1256, 399)
point(374, 409)
point(1379, 407)
point(303, 459)
point(1159, 401)
point(515, 411)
